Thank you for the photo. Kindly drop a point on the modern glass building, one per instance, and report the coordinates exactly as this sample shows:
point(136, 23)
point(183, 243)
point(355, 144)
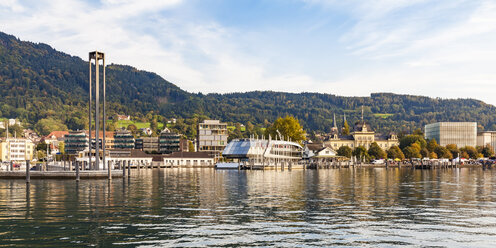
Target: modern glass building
point(458, 133)
point(123, 139)
point(267, 152)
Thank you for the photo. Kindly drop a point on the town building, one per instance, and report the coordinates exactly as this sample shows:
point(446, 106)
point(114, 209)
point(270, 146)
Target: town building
point(147, 144)
point(147, 131)
point(31, 135)
point(169, 142)
point(362, 135)
point(53, 140)
point(487, 138)
point(212, 137)
point(189, 159)
point(458, 133)
point(16, 149)
point(109, 139)
point(75, 142)
point(123, 139)
point(123, 117)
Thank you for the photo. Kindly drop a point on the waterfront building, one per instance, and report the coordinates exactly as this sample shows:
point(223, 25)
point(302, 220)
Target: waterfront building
point(114, 157)
point(487, 138)
point(362, 135)
point(212, 136)
point(16, 149)
point(169, 142)
point(123, 139)
point(458, 133)
point(261, 152)
point(76, 142)
point(189, 159)
point(147, 144)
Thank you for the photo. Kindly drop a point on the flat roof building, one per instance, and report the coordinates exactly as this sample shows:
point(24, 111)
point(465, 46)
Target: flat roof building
point(16, 149)
point(169, 142)
point(75, 142)
point(123, 139)
point(147, 144)
point(212, 136)
point(487, 138)
point(458, 133)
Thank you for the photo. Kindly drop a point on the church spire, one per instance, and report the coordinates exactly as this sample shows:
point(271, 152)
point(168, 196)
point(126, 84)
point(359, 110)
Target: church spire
point(335, 121)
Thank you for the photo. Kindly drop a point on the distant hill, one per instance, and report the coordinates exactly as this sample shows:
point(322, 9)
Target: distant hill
point(39, 82)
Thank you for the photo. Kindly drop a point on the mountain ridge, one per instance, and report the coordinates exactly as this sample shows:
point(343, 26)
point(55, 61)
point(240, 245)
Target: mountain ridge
point(41, 82)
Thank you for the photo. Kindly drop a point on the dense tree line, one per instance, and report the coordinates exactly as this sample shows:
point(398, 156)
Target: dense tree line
point(414, 146)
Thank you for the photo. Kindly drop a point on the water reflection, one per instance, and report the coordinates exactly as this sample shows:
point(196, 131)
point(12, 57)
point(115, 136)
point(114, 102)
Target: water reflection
point(204, 207)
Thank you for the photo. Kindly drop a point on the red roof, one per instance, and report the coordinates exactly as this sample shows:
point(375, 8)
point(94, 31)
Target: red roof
point(56, 134)
point(108, 134)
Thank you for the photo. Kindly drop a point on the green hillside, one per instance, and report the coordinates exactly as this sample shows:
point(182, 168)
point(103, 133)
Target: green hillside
point(40, 83)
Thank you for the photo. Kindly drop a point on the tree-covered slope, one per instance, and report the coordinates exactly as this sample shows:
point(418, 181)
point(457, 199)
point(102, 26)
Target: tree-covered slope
point(39, 82)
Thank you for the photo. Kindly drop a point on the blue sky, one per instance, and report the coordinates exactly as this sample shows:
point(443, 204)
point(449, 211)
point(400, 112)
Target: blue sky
point(435, 48)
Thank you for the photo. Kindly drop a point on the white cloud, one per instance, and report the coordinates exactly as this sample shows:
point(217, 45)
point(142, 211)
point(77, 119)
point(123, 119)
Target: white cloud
point(13, 5)
point(435, 48)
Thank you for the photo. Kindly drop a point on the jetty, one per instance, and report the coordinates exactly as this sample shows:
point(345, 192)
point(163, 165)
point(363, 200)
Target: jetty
point(87, 174)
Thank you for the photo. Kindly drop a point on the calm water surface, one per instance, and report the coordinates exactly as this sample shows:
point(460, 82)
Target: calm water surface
point(205, 207)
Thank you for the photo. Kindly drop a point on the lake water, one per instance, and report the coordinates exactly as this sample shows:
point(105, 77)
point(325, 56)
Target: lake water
point(204, 207)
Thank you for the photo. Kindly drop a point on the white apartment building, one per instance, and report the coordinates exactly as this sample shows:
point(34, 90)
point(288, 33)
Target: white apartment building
point(16, 149)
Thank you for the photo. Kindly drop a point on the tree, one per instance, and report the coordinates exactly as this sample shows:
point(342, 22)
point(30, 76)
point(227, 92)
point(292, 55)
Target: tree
point(77, 123)
point(487, 151)
point(62, 147)
point(46, 126)
point(41, 154)
point(191, 147)
point(418, 132)
point(453, 149)
point(410, 139)
point(346, 128)
point(154, 125)
point(111, 126)
point(432, 145)
point(395, 152)
point(133, 129)
point(250, 129)
point(236, 133)
point(375, 152)
point(289, 127)
point(424, 153)
point(360, 153)
point(443, 152)
point(433, 155)
point(15, 130)
point(345, 151)
point(470, 151)
point(411, 152)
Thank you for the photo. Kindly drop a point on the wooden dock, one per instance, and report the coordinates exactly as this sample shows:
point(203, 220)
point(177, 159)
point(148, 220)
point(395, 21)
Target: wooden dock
point(86, 174)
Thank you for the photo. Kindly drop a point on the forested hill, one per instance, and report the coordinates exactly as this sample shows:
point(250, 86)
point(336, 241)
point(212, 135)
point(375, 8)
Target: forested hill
point(39, 82)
